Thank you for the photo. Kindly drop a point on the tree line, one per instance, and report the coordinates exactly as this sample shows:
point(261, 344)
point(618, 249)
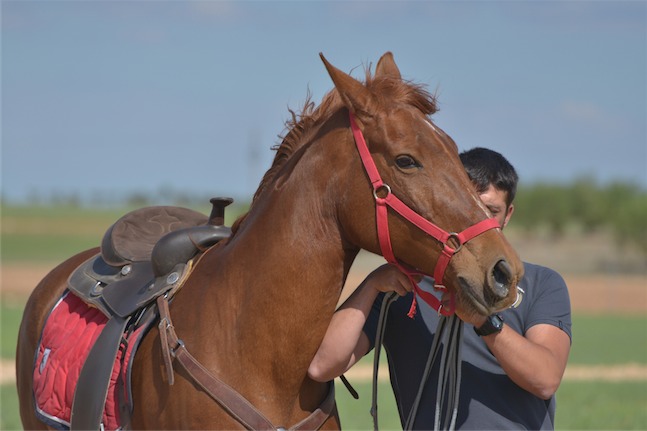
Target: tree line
point(620, 208)
point(550, 208)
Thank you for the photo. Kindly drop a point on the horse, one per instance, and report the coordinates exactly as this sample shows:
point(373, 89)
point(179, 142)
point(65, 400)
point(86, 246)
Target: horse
point(257, 304)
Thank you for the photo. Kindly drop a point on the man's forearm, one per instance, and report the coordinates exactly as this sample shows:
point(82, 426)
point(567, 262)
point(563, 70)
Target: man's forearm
point(341, 346)
point(536, 363)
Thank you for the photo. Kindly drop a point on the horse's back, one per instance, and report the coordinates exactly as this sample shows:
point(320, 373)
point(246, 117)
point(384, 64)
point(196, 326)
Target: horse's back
point(38, 306)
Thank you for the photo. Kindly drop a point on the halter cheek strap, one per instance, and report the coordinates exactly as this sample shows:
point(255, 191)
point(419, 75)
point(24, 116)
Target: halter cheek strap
point(385, 198)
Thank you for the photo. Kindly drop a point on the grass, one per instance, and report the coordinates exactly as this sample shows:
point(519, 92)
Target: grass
point(601, 406)
point(581, 405)
point(9, 415)
point(356, 414)
point(10, 316)
point(597, 340)
point(609, 339)
point(51, 234)
point(37, 234)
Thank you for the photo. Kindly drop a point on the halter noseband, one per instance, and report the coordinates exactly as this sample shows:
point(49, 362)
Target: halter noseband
point(383, 198)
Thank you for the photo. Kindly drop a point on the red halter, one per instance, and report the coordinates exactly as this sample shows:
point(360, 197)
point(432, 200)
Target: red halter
point(381, 211)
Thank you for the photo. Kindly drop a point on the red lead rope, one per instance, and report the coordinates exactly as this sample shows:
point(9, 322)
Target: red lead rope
point(381, 211)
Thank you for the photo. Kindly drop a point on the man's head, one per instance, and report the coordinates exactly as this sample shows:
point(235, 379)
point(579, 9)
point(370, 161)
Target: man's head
point(495, 180)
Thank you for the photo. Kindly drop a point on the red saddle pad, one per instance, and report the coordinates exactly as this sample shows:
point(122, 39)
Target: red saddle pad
point(70, 332)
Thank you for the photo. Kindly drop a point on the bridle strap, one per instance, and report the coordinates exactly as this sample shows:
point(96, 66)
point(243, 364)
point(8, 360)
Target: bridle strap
point(385, 198)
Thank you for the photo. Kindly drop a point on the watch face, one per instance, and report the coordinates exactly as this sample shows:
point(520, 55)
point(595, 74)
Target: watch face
point(497, 321)
point(492, 324)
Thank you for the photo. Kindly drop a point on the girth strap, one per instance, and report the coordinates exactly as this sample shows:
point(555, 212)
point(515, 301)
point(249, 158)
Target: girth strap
point(94, 379)
point(230, 400)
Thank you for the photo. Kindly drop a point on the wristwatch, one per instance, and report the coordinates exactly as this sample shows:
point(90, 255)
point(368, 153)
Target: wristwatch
point(493, 324)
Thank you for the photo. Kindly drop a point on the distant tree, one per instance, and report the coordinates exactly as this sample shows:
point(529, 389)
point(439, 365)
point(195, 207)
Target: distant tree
point(138, 199)
point(629, 219)
point(589, 207)
point(543, 205)
point(65, 199)
point(620, 207)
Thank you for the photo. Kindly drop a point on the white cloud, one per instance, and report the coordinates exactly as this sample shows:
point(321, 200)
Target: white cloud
point(582, 111)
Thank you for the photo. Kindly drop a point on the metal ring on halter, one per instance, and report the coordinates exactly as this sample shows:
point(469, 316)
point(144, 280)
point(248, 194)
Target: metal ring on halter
point(517, 301)
point(383, 186)
point(440, 307)
point(458, 240)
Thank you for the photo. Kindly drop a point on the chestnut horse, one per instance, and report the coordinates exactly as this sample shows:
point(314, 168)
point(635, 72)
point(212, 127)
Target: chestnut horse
point(256, 305)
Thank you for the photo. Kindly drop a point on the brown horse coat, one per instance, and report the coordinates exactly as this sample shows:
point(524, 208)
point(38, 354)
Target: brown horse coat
point(256, 307)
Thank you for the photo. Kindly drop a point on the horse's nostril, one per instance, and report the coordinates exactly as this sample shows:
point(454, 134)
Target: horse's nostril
point(502, 274)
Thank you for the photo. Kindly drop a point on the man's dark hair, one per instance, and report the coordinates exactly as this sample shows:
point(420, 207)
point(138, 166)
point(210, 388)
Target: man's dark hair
point(486, 167)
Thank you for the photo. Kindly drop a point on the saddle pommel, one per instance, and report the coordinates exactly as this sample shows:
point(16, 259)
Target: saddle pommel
point(218, 205)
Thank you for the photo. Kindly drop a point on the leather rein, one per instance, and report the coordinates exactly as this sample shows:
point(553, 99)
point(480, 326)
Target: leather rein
point(385, 198)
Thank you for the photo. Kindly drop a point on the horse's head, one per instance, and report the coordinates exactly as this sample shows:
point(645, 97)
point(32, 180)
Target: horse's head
point(418, 164)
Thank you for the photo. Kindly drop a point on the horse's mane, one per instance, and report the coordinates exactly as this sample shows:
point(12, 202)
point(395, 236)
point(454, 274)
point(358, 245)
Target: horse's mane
point(386, 89)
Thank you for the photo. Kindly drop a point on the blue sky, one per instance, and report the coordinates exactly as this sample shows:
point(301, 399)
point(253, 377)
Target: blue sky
point(107, 98)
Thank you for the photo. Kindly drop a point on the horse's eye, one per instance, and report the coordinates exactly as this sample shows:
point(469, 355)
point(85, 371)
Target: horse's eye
point(406, 162)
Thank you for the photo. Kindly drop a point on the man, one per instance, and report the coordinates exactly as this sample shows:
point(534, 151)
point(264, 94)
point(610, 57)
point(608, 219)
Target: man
point(512, 363)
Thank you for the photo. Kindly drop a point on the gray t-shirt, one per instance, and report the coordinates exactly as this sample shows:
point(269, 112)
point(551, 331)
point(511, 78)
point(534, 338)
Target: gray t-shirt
point(489, 400)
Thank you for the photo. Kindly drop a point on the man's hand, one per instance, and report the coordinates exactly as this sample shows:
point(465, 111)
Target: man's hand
point(388, 278)
point(474, 319)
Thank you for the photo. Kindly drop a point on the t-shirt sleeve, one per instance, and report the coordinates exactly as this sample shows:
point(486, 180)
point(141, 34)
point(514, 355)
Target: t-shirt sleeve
point(552, 305)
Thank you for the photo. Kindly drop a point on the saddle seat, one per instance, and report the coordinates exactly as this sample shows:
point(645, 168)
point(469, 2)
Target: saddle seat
point(133, 237)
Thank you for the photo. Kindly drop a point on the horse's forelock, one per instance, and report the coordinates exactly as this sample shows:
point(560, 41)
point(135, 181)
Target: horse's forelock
point(398, 91)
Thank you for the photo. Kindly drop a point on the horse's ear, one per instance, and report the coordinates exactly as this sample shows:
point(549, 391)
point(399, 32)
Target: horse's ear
point(356, 97)
point(386, 67)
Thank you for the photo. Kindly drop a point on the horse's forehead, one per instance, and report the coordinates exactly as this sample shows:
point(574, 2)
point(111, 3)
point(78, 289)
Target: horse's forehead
point(420, 124)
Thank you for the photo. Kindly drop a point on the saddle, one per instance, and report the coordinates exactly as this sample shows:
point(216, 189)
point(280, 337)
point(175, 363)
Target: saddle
point(145, 258)
point(145, 254)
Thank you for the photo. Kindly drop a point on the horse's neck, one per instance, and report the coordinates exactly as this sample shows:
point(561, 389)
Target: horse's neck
point(296, 264)
point(280, 281)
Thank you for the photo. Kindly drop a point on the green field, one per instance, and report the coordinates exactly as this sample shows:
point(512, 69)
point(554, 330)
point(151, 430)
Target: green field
point(35, 234)
point(44, 234)
point(581, 405)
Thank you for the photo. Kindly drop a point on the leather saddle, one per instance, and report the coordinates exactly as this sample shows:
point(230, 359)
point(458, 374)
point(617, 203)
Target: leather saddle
point(145, 254)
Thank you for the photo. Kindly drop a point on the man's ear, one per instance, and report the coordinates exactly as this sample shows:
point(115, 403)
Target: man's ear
point(508, 215)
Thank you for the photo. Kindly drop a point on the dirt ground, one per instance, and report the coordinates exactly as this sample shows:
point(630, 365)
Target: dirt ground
point(595, 294)
point(626, 294)
point(589, 292)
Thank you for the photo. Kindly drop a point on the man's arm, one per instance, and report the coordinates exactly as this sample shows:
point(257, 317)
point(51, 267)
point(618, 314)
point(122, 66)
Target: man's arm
point(535, 362)
point(345, 343)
